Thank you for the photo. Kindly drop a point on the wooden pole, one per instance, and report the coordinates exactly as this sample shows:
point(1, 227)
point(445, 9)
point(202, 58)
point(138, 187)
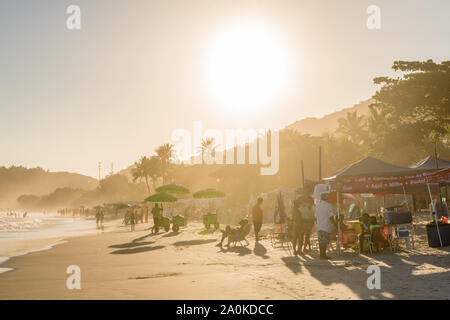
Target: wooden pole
point(303, 175)
point(338, 225)
point(320, 163)
point(435, 155)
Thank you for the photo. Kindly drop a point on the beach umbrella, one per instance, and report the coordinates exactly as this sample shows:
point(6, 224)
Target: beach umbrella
point(161, 197)
point(208, 194)
point(173, 189)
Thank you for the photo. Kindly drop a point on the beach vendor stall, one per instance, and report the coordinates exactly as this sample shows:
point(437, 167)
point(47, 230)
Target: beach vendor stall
point(161, 221)
point(371, 175)
point(177, 220)
point(210, 218)
point(374, 176)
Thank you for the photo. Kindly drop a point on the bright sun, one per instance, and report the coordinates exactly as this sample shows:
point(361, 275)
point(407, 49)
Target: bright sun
point(246, 68)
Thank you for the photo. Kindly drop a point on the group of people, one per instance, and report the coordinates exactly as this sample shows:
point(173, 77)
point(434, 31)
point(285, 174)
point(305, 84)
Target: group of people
point(303, 216)
point(135, 216)
point(16, 215)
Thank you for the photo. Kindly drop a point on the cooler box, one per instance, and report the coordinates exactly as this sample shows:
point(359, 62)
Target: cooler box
point(178, 220)
point(392, 217)
point(433, 237)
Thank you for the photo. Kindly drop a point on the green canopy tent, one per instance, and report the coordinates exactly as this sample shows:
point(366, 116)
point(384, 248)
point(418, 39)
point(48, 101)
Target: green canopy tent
point(208, 194)
point(161, 197)
point(209, 218)
point(173, 189)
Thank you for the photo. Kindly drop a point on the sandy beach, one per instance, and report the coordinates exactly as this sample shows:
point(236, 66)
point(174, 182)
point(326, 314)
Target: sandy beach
point(188, 265)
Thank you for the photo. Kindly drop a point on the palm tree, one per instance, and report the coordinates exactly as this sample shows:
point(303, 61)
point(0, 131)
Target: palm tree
point(165, 154)
point(207, 147)
point(353, 126)
point(139, 171)
point(152, 169)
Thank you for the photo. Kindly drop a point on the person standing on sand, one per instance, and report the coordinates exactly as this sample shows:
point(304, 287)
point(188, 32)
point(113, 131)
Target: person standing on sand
point(297, 228)
point(325, 221)
point(306, 207)
point(257, 217)
point(155, 213)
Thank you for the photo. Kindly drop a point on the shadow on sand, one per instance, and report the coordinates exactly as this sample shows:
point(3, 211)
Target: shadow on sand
point(207, 231)
point(171, 234)
point(193, 242)
point(137, 250)
point(238, 249)
point(260, 251)
point(130, 244)
point(400, 274)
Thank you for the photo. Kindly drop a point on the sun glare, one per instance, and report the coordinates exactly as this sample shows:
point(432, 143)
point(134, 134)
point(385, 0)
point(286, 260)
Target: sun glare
point(246, 68)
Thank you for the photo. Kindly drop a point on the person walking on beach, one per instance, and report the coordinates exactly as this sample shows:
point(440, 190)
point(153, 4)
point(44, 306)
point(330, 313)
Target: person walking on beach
point(257, 217)
point(325, 221)
point(102, 216)
point(132, 221)
point(98, 217)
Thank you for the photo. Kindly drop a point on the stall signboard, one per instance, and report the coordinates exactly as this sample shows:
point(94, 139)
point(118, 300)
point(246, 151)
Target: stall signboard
point(388, 183)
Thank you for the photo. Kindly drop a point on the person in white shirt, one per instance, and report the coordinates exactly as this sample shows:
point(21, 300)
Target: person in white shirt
point(325, 220)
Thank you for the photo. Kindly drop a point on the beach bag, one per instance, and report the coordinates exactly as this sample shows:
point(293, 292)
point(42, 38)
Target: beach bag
point(307, 213)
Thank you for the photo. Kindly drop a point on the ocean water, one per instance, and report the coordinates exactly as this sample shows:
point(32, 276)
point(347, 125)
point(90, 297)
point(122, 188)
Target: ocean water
point(37, 231)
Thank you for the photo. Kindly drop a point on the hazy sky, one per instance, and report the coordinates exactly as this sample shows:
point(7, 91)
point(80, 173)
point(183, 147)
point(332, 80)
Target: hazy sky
point(135, 72)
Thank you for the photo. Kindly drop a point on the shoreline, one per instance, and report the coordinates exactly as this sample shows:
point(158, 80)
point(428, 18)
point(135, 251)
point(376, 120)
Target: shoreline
point(18, 247)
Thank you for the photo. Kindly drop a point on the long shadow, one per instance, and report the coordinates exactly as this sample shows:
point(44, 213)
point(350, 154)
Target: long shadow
point(145, 237)
point(137, 250)
point(131, 244)
point(241, 250)
point(193, 242)
point(206, 231)
point(293, 263)
point(400, 275)
point(260, 251)
point(172, 234)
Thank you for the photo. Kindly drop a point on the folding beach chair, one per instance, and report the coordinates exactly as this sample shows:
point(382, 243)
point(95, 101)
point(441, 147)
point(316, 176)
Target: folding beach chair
point(280, 236)
point(235, 238)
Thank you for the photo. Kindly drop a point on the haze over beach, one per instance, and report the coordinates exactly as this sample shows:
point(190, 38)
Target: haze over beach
point(105, 92)
point(183, 149)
